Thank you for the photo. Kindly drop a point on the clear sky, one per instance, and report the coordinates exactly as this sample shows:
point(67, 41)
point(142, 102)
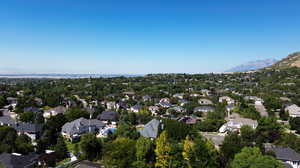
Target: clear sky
point(144, 36)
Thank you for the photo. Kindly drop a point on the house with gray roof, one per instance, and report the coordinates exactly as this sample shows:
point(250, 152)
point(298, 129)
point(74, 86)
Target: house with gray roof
point(73, 130)
point(151, 129)
point(7, 120)
point(165, 104)
point(108, 116)
point(204, 109)
point(236, 124)
point(205, 102)
point(178, 95)
point(136, 108)
point(54, 111)
point(32, 109)
point(293, 110)
point(29, 129)
point(285, 154)
point(19, 161)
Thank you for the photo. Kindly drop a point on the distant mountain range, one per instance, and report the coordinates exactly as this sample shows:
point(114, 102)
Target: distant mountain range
point(292, 60)
point(253, 65)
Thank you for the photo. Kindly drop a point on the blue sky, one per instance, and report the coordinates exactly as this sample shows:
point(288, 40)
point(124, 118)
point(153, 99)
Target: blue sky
point(139, 36)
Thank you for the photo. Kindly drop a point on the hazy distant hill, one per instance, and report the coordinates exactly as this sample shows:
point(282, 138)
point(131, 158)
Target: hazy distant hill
point(292, 60)
point(253, 65)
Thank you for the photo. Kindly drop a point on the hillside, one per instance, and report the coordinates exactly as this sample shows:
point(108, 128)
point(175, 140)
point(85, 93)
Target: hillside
point(253, 65)
point(292, 60)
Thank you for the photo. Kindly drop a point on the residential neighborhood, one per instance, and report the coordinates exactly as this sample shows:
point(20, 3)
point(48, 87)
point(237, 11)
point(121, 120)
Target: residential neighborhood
point(84, 122)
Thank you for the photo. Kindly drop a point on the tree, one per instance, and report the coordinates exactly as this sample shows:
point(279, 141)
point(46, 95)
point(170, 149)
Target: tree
point(290, 140)
point(27, 117)
point(247, 135)
point(144, 153)
point(176, 130)
point(23, 144)
point(209, 125)
point(120, 153)
point(200, 153)
point(162, 151)
point(295, 124)
point(7, 139)
point(61, 149)
point(2, 101)
point(127, 131)
point(75, 113)
point(253, 158)
point(51, 130)
point(232, 145)
point(91, 147)
point(268, 130)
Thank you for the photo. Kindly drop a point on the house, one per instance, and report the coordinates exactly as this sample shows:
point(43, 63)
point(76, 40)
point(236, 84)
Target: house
point(151, 129)
point(38, 101)
point(293, 110)
point(153, 110)
point(285, 154)
point(188, 119)
point(122, 105)
point(73, 130)
point(205, 102)
point(47, 159)
point(178, 95)
point(12, 101)
point(285, 99)
point(136, 108)
point(54, 111)
point(195, 95)
point(108, 116)
point(129, 95)
point(33, 131)
point(32, 109)
point(29, 129)
point(146, 98)
point(4, 111)
point(204, 109)
point(236, 124)
point(226, 99)
point(20, 93)
point(165, 104)
point(215, 138)
point(183, 102)
point(206, 92)
point(230, 107)
point(177, 109)
point(167, 100)
point(111, 105)
point(253, 98)
point(15, 160)
point(7, 120)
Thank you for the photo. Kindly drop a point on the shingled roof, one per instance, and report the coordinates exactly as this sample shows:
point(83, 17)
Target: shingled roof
point(151, 129)
point(108, 116)
point(286, 154)
point(18, 161)
point(81, 125)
